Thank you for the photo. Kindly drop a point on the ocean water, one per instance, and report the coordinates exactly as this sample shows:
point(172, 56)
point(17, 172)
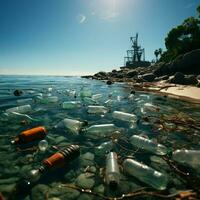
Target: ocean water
point(170, 122)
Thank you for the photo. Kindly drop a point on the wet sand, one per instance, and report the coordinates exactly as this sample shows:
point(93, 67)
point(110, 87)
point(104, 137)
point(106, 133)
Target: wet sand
point(188, 93)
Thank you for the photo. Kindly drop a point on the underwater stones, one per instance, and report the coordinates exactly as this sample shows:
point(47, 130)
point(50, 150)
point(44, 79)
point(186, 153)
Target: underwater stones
point(85, 197)
point(63, 193)
point(8, 180)
point(85, 181)
point(7, 188)
point(87, 159)
point(100, 189)
point(69, 176)
point(59, 139)
point(39, 191)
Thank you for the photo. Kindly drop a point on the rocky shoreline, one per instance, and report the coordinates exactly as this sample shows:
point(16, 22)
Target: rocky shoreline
point(159, 77)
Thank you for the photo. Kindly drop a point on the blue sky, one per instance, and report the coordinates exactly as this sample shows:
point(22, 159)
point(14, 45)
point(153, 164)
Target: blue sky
point(75, 37)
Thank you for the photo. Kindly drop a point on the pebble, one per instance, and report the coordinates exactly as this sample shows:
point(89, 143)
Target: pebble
point(39, 191)
point(84, 181)
point(87, 159)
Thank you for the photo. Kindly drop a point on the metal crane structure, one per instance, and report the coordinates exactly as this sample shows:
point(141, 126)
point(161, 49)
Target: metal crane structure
point(134, 56)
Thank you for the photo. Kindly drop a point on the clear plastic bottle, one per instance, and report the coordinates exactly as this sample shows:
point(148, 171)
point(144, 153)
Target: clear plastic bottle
point(48, 99)
point(88, 100)
point(148, 145)
point(73, 125)
point(148, 107)
point(104, 148)
point(71, 104)
point(124, 116)
point(97, 109)
point(112, 170)
point(187, 157)
point(145, 174)
point(85, 92)
point(20, 109)
point(23, 101)
point(101, 130)
point(96, 96)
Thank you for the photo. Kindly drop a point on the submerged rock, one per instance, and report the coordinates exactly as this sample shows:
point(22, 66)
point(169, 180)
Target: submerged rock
point(85, 181)
point(39, 192)
point(87, 159)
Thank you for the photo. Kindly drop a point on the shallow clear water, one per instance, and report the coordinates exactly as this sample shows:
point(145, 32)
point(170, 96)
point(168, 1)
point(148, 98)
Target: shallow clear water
point(172, 123)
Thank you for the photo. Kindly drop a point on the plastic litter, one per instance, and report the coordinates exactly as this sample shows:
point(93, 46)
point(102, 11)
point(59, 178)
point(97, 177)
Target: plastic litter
point(187, 157)
point(20, 109)
point(124, 116)
point(104, 148)
point(73, 125)
point(112, 170)
point(145, 174)
point(30, 135)
point(148, 145)
point(57, 160)
point(97, 109)
point(71, 104)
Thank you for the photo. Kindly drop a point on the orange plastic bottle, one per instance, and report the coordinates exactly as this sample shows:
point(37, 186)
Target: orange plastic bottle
point(30, 135)
point(62, 157)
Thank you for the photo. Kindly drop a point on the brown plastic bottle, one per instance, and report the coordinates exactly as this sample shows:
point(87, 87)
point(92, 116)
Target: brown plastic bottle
point(37, 133)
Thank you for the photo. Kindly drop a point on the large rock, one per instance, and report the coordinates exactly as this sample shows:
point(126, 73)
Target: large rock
point(191, 80)
point(131, 73)
point(188, 63)
point(149, 77)
point(178, 78)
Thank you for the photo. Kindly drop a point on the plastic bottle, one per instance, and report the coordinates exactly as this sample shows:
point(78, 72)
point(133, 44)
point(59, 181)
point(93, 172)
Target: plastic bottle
point(112, 170)
point(148, 107)
point(148, 145)
point(97, 109)
point(104, 148)
point(71, 104)
point(30, 135)
point(124, 116)
point(145, 174)
point(88, 100)
point(96, 96)
point(20, 109)
point(73, 125)
point(101, 130)
point(23, 101)
point(57, 160)
point(187, 157)
point(85, 93)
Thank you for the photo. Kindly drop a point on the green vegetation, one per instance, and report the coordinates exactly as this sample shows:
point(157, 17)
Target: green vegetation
point(182, 39)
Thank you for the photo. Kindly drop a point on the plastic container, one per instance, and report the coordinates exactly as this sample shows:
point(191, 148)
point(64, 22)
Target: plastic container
point(124, 116)
point(112, 170)
point(148, 145)
point(85, 93)
point(20, 109)
point(24, 101)
point(57, 160)
point(97, 109)
point(88, 100)
point(101, 130)
point(187, 157)
point(72, 125)
point(145, 174)
point(97, 96)
point(71, 104)
point(30, 135)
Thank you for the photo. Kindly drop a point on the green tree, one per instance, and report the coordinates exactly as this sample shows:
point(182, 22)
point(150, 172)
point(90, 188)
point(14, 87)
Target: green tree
point(183, 38)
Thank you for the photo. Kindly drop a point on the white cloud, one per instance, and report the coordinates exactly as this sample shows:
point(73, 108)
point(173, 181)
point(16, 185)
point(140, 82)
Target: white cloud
point(81, 18)
point(110, 16)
